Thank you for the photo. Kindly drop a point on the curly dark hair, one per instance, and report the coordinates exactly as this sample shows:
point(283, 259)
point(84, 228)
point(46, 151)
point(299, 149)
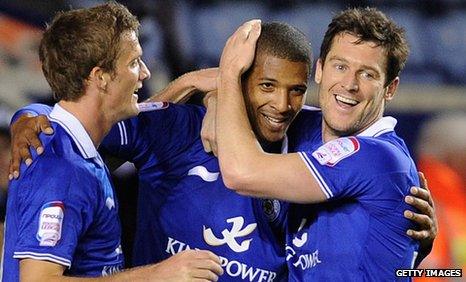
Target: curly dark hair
point(77, 41)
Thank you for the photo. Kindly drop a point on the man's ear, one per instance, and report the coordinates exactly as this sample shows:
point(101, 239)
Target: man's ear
point(318, 75)
point(391, 89)
point(100, 77)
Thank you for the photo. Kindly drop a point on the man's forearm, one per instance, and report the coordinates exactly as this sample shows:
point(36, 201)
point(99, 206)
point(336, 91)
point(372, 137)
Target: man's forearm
point(182, 88)
point(178, 91)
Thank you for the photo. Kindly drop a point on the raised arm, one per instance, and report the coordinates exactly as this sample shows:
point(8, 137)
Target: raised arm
point(245, 167)
point(182, 88)
point(29, 122)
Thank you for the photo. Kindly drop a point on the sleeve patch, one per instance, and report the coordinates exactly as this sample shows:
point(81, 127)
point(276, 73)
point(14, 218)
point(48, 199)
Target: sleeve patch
point(50, 223)
point(336, 150)
point(152, 106)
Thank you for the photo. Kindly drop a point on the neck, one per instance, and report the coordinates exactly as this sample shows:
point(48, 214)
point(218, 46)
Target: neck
point(91, 116)
point(329, 134)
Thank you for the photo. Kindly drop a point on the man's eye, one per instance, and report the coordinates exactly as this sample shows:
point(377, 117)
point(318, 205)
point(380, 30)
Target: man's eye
point(298, 91)
point(134, 63)
point(266, 85)
point(367, 75)
point(340, 67)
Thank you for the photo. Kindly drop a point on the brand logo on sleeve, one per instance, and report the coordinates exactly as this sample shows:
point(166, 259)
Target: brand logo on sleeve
point(229, 236)
point(50, 223)
point(336, 150)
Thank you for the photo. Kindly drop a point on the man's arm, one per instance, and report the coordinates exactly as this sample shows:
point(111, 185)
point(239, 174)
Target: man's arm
point(182, 88)
point(245, 167)
point(185, 266)
point(28, 124)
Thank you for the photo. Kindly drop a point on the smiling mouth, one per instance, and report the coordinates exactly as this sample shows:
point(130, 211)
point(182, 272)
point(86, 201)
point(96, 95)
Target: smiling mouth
point(345, 100)
point(275, 122)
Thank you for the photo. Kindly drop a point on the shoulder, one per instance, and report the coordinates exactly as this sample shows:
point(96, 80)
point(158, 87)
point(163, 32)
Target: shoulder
point(305, 128)
point(171, 109)
point(374, 154)
point(308, 116)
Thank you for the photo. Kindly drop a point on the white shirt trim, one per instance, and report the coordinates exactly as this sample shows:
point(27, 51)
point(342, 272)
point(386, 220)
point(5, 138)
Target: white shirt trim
point(76, 130)
point(383, 125)
point(42, 256)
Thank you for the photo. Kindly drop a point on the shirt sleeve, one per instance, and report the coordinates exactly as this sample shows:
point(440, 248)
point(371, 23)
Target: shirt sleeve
point(53, 211)
point(360, 168)
point(155, 135)
point(33, 109)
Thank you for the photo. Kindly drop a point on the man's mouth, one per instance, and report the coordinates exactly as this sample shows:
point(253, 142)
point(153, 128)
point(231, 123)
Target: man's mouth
point(345, 100)
point(275, 122)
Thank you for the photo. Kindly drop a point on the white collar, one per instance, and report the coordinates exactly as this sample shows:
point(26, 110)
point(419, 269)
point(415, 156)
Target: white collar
point(75, 129)
point(383, 125)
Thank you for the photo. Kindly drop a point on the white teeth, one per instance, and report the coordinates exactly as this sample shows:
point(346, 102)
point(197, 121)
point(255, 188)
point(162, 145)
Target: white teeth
point(273, 119)
point(346, 100)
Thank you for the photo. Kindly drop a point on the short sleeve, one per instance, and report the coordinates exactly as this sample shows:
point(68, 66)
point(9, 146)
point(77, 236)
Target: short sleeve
point(156, 135)
point(54, 211)
point(360, 168)
point(34, 109)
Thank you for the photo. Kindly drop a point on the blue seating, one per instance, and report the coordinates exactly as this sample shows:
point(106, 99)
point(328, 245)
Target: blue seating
point(215, 23)
point(312, 19)
point(447, 36)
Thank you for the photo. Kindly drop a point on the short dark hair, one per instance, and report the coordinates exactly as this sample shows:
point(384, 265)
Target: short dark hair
point(370, 24)
point(284, 41)
point(77, 41)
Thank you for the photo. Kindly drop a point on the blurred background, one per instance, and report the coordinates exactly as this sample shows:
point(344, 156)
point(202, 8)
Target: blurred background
point(179, 36)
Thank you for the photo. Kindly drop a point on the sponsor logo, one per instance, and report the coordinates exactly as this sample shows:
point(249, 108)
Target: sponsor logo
point(303, 261)
point(336, 150)
point(229, 236)
point(203, 173)
point(233, 268)
point(300, 241)
point(109, 203)
point(271, 209)
point(50, 223)
point(110, 270)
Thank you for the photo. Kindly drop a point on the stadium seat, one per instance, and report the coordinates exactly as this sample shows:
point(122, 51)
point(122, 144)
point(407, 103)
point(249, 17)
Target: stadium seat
point(215, 23)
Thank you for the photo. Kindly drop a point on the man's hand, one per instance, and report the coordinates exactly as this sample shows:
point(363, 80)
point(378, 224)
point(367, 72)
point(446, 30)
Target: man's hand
point(208, 123)
point(182, 88)
point(190, 265)
point(426, 219)
point(239, 51)
point(25, 133)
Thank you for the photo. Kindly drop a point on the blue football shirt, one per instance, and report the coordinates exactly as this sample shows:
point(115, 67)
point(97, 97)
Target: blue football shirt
point(359, 233)
point(62, 208)
point(184, 204)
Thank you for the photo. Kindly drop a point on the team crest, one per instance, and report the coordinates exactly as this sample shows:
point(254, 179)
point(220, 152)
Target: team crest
point(50, 223)
point(336, 150)
point(271, 209)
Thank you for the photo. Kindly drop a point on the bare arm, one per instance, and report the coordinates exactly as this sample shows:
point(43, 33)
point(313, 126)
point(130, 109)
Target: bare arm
point(25, 130)
point(245, 167)
point(182, 88)
point(191, 265)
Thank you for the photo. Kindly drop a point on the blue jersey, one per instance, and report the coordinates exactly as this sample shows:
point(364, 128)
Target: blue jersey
point(184, 204)
point(62, 208)
point(359, 233)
